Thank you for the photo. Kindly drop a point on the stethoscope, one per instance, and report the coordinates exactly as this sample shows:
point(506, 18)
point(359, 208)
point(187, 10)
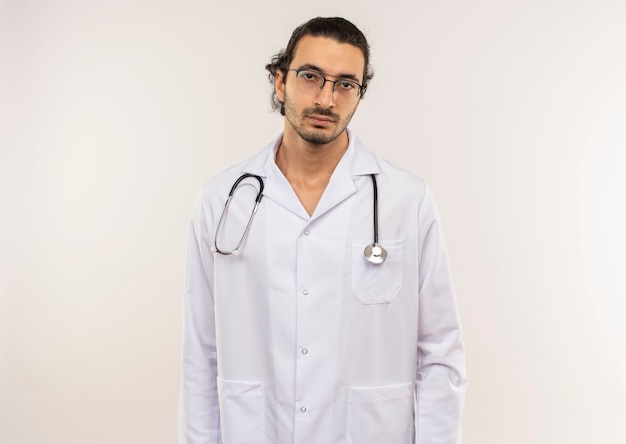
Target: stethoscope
point(375, 253)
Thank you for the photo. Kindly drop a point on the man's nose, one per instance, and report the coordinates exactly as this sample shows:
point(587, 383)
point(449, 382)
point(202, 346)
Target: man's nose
point(326, 95)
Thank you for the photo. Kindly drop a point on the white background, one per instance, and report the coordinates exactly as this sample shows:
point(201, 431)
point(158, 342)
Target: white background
point(113, 114)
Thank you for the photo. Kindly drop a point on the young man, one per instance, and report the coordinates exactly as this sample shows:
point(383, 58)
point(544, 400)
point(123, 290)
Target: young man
point(327, 314)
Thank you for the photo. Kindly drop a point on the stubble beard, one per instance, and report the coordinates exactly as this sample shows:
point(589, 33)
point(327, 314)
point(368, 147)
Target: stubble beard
point(311, 136)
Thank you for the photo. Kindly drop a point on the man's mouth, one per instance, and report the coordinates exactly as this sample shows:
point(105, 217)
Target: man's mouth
point(320, 114)
point(321, 118)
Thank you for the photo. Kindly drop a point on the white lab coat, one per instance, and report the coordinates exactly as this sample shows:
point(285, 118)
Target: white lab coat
point(299, 339)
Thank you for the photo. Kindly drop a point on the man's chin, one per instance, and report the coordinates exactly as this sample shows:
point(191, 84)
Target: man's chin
point(319, 137)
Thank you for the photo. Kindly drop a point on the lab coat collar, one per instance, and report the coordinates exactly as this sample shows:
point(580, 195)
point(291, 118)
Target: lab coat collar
point(356, 161)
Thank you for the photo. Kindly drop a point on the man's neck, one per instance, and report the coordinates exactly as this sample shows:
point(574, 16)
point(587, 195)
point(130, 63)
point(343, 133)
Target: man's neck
point(296, 157)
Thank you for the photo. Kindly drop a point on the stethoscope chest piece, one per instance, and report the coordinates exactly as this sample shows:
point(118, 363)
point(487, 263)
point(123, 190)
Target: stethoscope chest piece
point(375, 253)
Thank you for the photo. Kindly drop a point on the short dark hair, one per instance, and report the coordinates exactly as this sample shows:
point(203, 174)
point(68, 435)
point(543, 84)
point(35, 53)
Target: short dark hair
point(336, 28)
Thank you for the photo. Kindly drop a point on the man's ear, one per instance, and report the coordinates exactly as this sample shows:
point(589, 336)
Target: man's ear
point(279, 85)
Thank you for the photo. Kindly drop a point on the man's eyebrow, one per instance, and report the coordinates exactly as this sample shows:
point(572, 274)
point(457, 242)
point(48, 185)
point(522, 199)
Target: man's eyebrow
point(339, 76)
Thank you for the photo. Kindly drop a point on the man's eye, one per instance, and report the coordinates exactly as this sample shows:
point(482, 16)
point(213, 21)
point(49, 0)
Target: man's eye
point(346, 85)
point(306, 75)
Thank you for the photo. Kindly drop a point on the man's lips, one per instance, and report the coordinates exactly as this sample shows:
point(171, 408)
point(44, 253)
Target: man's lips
point(321, 120)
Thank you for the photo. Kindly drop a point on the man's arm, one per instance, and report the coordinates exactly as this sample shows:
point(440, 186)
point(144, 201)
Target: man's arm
point(441, 376)
point(198, 421)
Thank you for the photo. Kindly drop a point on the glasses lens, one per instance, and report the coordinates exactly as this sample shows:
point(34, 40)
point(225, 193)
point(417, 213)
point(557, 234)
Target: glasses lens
point(310, 83)
point(346, 90)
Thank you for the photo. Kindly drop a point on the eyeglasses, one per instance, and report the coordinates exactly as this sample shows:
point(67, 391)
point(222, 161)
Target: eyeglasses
point(310, 82)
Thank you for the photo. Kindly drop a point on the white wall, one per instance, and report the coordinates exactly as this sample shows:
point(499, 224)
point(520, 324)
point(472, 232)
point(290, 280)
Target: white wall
point(113, 113)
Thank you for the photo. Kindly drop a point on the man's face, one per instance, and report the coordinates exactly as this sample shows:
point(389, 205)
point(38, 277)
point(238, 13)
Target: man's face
point(321, 117)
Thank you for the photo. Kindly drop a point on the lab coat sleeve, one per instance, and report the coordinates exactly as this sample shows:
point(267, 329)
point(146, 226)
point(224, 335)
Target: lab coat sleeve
point(198, 418)
point(441, 374)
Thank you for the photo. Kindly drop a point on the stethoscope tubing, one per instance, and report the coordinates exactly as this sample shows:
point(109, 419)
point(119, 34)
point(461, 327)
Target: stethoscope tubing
point(259, 196)
point(375, 186)
point(374, 253)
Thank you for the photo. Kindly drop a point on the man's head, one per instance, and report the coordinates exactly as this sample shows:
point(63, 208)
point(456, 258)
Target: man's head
point(334, 28)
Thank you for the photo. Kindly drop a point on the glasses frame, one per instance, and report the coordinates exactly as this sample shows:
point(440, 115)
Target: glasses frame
point(334, 82)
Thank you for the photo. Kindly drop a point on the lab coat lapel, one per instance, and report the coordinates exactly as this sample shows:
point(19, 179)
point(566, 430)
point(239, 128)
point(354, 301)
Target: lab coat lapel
point(279, 190)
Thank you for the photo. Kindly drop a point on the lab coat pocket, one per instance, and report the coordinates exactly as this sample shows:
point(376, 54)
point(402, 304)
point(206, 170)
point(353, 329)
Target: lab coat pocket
point(242, 411)
point(383, 414)
point(377, 283)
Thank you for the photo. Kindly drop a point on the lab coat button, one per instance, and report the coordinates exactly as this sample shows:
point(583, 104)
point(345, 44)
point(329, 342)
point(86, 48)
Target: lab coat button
point(307, 232)
point(304, 351)
point(303, 409)
point(305, 292)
